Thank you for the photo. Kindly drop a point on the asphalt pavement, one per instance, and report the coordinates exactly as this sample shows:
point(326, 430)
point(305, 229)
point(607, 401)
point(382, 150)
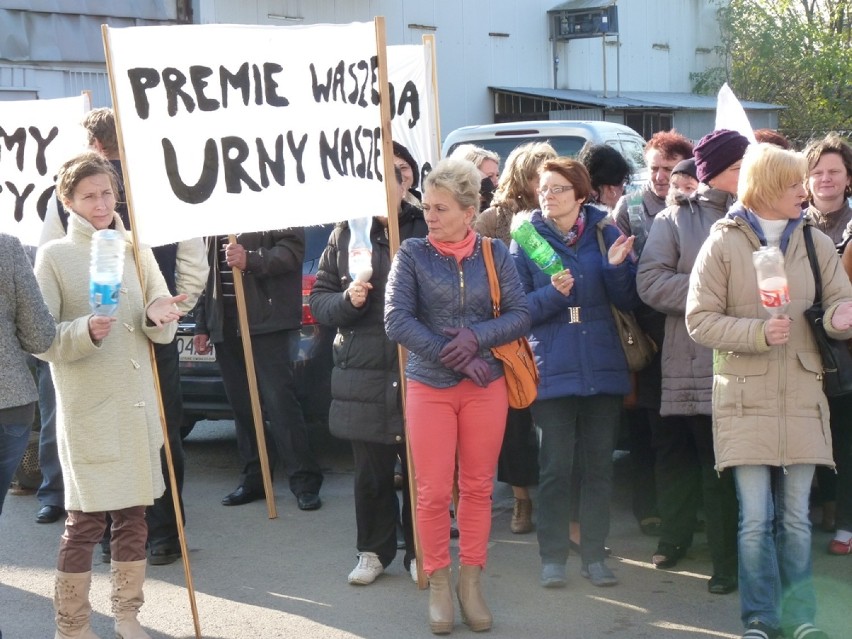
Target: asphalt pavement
point(260, 578)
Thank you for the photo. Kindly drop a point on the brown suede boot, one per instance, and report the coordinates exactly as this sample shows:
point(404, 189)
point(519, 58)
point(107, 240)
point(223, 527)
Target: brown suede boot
point(474, 610)
point(127, 598)
point(521, 517)
point(440, 602)
point(71, 602)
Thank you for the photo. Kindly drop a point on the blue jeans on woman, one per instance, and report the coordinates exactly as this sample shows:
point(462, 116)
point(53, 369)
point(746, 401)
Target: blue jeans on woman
point(776, 586)
point(590, 422)
point(13, 443)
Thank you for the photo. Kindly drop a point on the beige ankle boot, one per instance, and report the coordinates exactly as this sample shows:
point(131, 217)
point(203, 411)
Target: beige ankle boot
point(521, 517)
point(127, 598)
point(474, 610)
point(440, 602)
point(71, 603)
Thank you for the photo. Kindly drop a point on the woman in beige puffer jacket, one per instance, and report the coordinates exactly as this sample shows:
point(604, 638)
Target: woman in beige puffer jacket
point(770, 416)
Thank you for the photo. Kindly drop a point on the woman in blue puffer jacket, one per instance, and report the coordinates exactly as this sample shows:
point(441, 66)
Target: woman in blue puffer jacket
point(438, 306)
point(582, 365)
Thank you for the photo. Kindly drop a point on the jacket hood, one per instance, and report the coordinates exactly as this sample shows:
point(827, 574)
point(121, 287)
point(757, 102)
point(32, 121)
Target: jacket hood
point(705, 194)
point(746, 217)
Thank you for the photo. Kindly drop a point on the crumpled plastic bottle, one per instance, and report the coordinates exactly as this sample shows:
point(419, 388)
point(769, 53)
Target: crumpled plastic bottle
point(535, 246)
point(771, 279)
point(360, 249)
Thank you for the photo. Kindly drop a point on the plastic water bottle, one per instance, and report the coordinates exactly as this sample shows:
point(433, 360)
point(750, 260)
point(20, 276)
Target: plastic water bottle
point(105, 271)
point(535, 246)
point(636, 217)
point(771, 279)
point(360, 249)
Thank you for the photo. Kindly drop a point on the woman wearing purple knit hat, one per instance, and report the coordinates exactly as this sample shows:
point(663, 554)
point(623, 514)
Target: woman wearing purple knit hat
point(683, 437)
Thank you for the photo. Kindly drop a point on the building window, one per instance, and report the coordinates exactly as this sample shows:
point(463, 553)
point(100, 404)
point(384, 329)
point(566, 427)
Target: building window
point(647, 123)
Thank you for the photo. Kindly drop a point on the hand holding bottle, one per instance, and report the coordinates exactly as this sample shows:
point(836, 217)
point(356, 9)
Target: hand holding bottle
point(100, 326)
point(563, 281)
point(357, 292)
point(777, 330)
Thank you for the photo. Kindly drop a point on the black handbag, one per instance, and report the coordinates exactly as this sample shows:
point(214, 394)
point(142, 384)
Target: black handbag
point(836, 358)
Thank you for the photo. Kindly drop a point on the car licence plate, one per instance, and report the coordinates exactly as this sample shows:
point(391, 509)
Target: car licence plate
point(186, 351)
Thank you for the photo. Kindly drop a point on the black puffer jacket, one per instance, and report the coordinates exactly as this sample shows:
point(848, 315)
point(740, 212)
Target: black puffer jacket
point(428, 292)
point(365, 381)
point(272, 282)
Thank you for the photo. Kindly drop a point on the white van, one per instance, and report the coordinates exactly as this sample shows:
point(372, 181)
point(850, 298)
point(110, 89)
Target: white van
point(566, 136)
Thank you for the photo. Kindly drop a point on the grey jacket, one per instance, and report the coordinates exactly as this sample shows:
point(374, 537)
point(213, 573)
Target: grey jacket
point(26, 326)
point(427, 292)
point(663, 282)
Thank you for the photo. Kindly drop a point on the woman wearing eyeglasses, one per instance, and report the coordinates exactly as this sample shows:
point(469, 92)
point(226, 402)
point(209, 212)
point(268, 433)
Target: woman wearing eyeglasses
point(582, 365)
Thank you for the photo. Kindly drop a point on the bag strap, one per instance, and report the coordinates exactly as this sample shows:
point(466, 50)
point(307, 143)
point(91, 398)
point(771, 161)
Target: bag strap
point(493, 283)
point(809, 246)
point(601, 244)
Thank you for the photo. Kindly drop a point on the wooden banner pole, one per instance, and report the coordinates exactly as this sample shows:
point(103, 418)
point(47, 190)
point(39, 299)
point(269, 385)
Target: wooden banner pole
point(393, 238)
point(190, 588)
point(256, 412)
point(429, 43)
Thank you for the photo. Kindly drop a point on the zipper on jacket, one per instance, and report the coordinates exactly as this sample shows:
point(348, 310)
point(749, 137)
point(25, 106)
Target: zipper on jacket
point(461, 291)
point(782, 391)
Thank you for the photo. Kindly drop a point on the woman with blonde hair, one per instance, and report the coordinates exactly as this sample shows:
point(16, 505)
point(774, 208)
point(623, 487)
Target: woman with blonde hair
point(518, 461)
point(770, 416)
point(515, 191)
point(438, 306)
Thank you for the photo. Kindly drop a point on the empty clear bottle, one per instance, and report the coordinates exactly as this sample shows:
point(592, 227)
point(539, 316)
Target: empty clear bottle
point(105, 271)
point(360, 249)
point(535, 246)
point(771, 279)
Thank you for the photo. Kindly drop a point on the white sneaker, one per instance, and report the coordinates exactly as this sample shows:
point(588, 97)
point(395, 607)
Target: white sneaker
point(413, 570)
point(369, 567)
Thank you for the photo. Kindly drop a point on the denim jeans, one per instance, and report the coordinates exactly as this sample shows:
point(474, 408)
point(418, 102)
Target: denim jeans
point(13, 443)
point(52, 489)
point(776, 586)
point(561, 422)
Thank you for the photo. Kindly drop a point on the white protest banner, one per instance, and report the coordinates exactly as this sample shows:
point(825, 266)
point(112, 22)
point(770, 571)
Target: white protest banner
point(36, 137)
point(231, 128)
point(409, 71)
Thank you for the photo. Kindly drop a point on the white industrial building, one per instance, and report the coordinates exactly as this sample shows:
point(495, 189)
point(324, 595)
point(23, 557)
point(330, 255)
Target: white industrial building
point(625, 61)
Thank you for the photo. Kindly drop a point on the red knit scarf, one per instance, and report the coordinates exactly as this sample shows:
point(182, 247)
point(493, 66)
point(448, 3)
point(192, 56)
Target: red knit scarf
point(459, 250)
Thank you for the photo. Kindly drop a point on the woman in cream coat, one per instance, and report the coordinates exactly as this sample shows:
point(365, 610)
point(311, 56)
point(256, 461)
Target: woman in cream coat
point(770, 416)
point(108, 426)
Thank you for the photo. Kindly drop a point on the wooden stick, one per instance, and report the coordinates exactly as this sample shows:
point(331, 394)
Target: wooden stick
point(169, 462)
point(256, 413)
point(393, 239)
point(429, 43)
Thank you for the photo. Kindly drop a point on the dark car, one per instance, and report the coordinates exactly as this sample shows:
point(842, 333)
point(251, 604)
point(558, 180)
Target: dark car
point(201, 383)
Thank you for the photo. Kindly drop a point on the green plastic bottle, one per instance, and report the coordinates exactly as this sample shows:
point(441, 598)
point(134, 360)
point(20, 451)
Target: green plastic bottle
point(535, 246)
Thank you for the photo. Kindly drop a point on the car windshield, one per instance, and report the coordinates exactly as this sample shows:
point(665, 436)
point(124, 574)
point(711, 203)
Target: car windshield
point(565, 145)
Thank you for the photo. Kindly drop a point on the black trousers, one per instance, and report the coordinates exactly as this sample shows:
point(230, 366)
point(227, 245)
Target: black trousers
point(162, 521)
point(841, 440)
point(377, 508)
point(285, 424)
point(642, 461)
point(685, 474)
point(517, 464)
